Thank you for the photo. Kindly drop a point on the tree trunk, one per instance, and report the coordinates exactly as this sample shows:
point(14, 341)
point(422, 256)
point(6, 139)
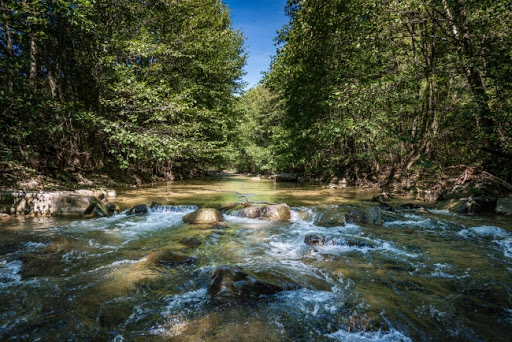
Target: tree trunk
point(464, 48)
point(32, 78)
point(10, 55)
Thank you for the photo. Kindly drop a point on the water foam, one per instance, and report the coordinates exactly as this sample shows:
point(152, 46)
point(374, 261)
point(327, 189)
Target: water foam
point(506, 245)
point(189, 301)
point(9, 272)
point(484, 232)
point(312, 302)
point(377, 336)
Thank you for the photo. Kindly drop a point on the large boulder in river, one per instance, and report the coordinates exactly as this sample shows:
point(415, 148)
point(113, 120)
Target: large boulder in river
point(504, 206)
point(372, 215)
point(332, 217)
point(277, 212)
point(250, 212)
point(204, 216)
point(230, 282)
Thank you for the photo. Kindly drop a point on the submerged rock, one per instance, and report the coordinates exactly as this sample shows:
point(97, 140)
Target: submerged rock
point(191, 241)
point(170, 258)
point(231, 282)
point(504, 206)
point(359, 242)
point(321, 240)
point(204, 216)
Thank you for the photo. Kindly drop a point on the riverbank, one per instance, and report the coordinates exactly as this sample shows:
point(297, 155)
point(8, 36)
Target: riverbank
point(462, 189)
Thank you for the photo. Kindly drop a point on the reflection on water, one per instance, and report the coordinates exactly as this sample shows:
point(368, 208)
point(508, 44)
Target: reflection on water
point(231, 189)
point(421, 276)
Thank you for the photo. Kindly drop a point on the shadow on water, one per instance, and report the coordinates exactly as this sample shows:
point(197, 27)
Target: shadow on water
point(423, 276)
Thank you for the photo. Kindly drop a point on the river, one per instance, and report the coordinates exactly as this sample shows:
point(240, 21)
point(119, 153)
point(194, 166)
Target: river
point(422, 276)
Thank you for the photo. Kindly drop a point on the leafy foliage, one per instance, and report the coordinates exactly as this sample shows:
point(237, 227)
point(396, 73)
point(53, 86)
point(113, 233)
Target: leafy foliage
point(138, 84)
point(384, 87)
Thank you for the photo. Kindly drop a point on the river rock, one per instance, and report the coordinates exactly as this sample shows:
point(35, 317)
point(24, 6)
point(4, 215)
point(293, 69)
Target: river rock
point(98, 209)
point(42, 264)
point(170, 258)
point(204, 216)
point(112, 208)
point(314, 240)
point(359, 242)
point(138, 210)
point(504, 206)
point(5, 217)
point(333, 217)
point(250, 212)
point(191, 241)
point(277, 212)
point(372, 215)
point(231, 282)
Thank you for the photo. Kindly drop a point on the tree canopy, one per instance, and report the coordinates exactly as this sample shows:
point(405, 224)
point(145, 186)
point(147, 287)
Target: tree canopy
point(128, 84)
point(369, 89)
point(372, 88)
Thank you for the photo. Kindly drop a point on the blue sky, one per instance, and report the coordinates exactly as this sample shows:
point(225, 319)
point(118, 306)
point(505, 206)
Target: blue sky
point(258, 20)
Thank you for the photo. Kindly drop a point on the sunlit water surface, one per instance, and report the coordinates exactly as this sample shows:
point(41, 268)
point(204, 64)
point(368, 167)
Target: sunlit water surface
point(429, 277)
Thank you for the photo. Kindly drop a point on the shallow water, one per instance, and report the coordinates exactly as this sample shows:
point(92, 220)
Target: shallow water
point(421, 277)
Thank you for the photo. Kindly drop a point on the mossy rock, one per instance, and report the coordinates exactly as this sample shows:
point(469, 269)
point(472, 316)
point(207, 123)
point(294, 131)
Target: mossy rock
point(204, 216)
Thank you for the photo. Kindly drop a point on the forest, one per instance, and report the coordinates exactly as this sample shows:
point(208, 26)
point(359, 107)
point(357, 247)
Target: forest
point(370, 90)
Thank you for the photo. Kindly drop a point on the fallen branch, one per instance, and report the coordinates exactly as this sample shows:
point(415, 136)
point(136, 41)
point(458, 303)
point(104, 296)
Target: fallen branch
point(497, 180)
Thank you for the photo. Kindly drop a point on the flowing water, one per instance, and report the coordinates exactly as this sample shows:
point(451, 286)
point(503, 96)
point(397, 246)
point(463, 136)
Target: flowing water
point(425, 276)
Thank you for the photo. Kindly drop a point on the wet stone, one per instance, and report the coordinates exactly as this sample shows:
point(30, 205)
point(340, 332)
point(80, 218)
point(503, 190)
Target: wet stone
point(277, 212)
point(170, 258)
point(5, 217)
point(372, 215)
point(314, 240)
point(231, 282)
point(250, 212)
point(203, 216)
point(333, 217)
point(138, 210)
point(360, 243)
point(504, 206)
point(191, 241)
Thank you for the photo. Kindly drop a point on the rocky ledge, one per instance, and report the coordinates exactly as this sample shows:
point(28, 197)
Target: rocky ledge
point(79, 203)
